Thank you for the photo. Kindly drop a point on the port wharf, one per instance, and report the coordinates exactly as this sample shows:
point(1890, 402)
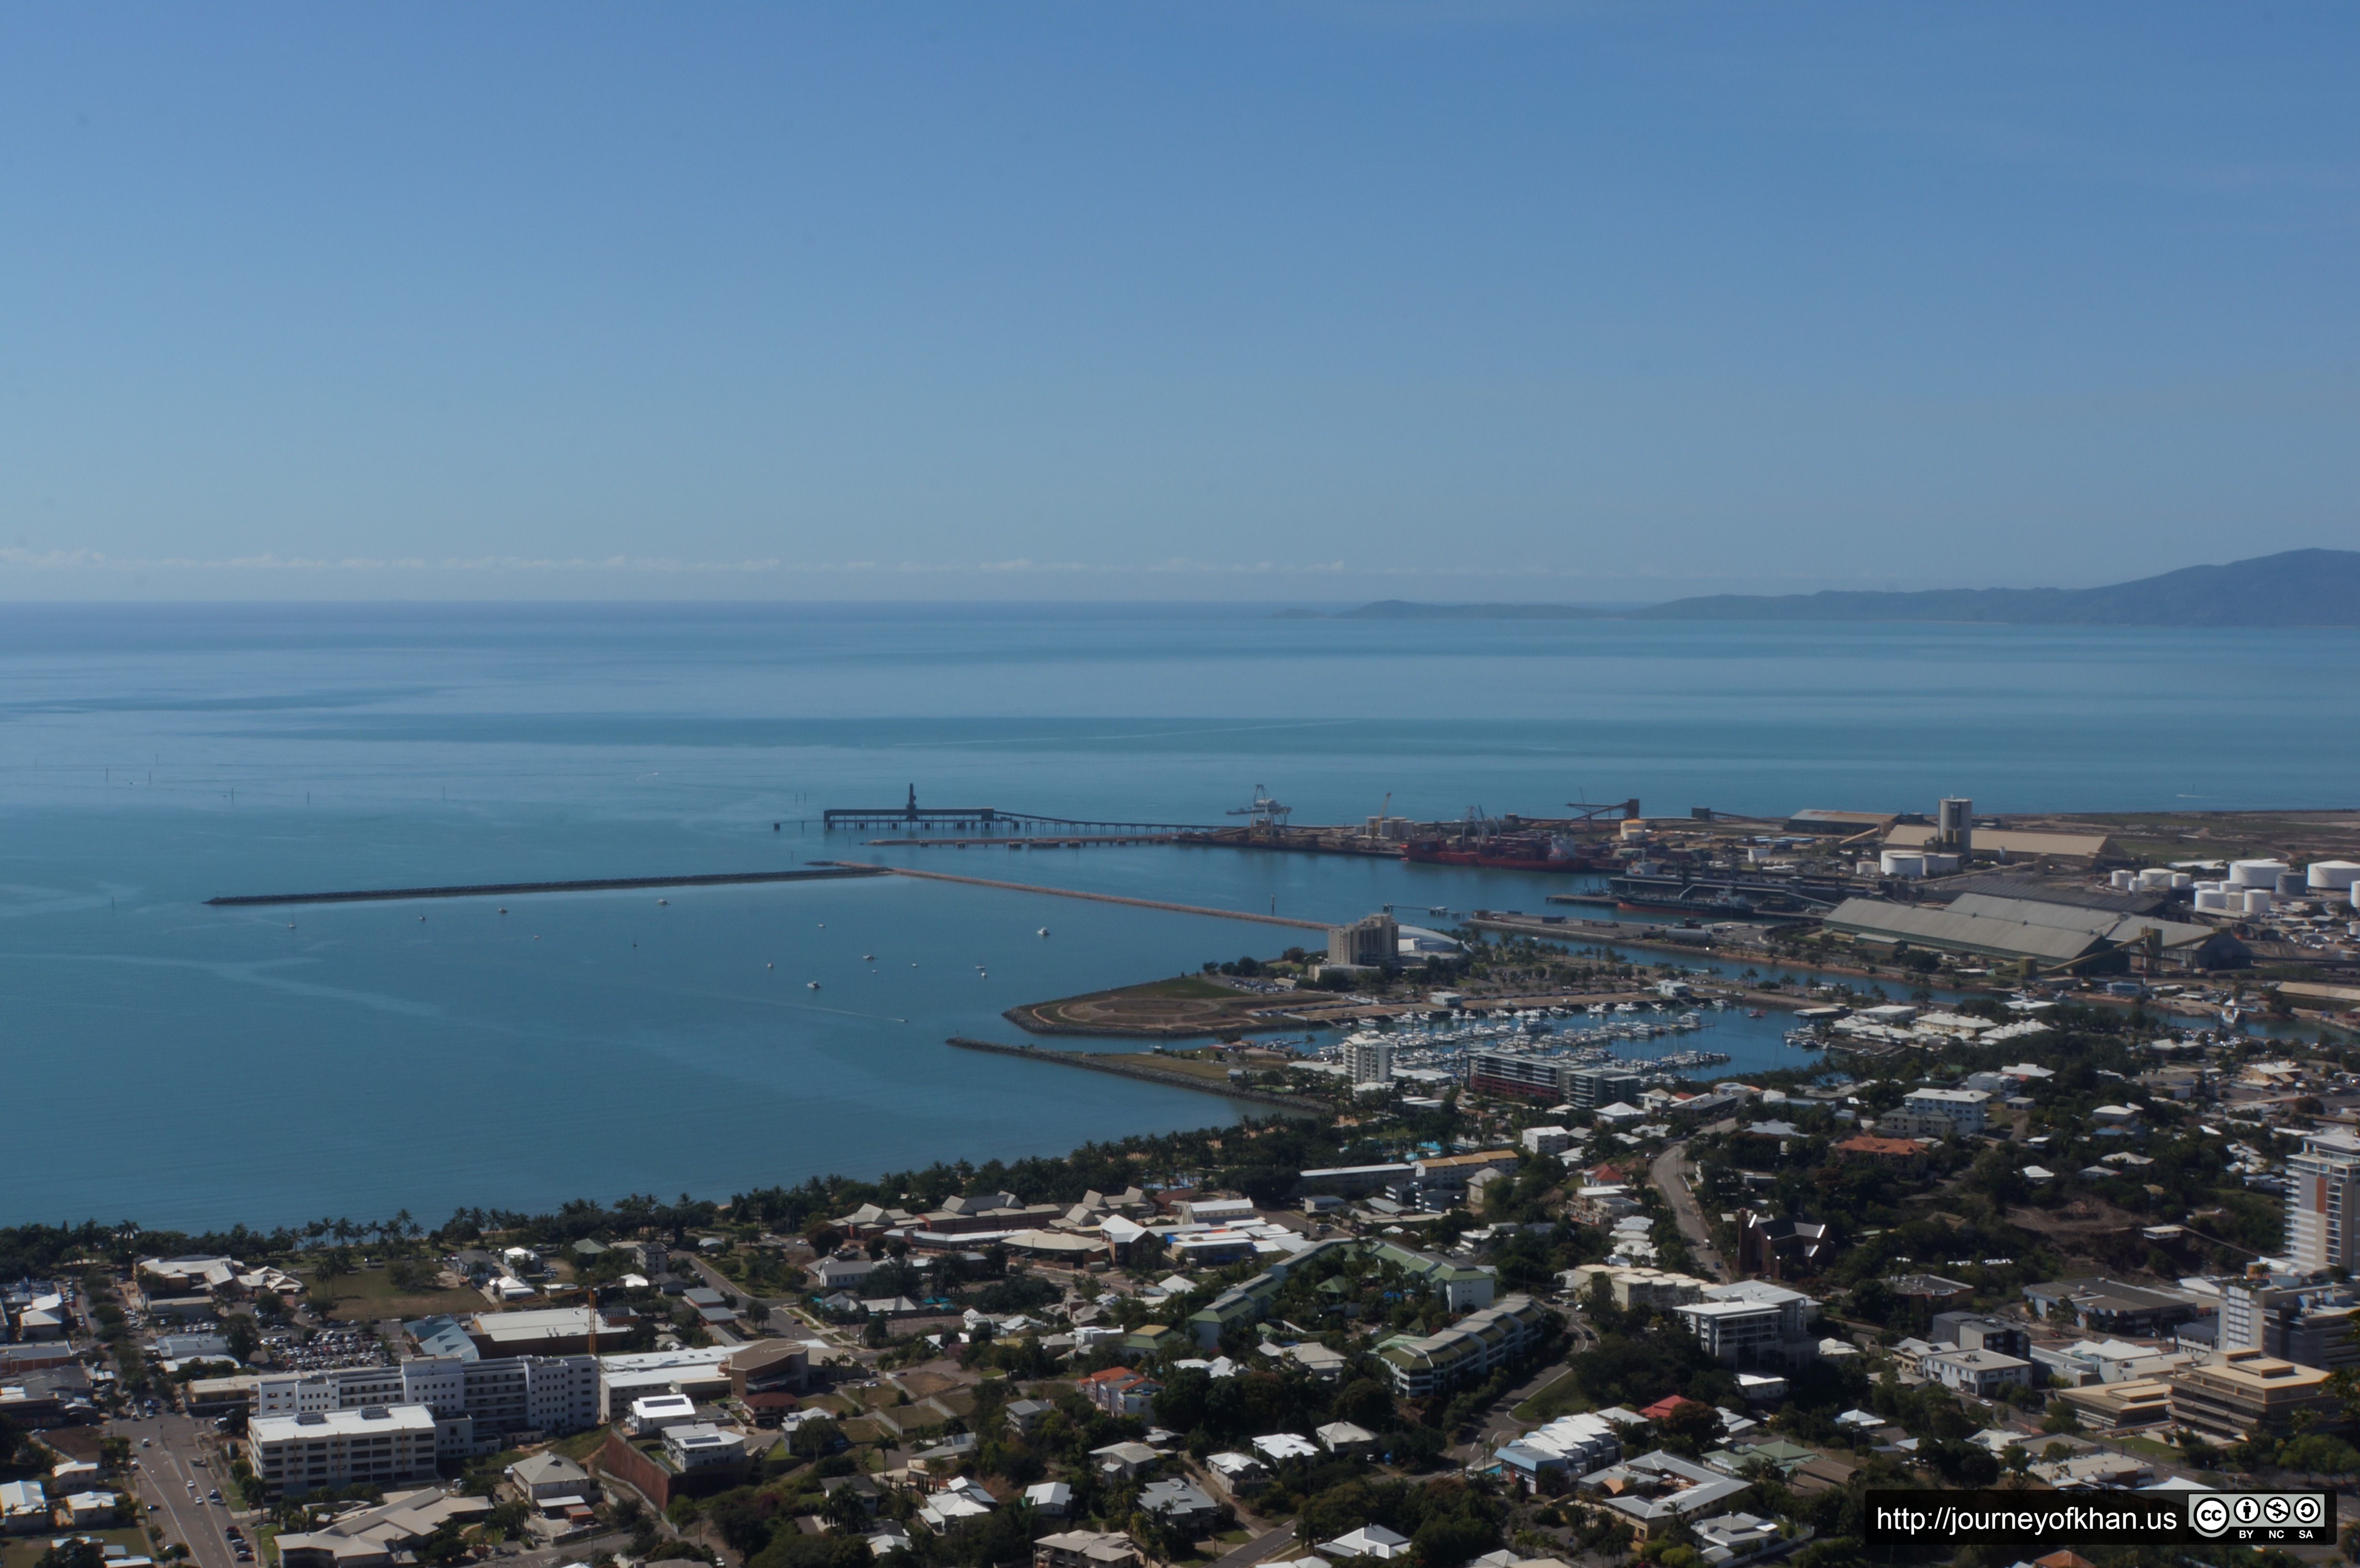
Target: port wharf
point(1093, 897)
point(1062, 841)
point(1096, 1063)
point(518, 889)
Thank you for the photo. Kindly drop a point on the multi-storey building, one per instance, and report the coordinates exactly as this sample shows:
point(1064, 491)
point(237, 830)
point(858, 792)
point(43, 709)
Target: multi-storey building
point(2320, 1183)
point(377, 1445)
point(1590, 1087)
point(1369, 1060)
point(1751, 1324)
point(478, 1406)
point(2309, 1325)
point(1518, 1077)
point(1373, 942)
point(1427, 1364)
point(2240, 1391)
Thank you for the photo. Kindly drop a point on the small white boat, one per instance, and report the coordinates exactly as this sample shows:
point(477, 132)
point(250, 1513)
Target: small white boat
point(867, 958)
point(663, 900)
point(769, 967)
point(812, 984)
point(503, 909)
point(1043, 931)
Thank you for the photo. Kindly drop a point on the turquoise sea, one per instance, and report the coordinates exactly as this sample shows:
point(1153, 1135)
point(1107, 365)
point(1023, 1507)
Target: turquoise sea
point(189, 1066)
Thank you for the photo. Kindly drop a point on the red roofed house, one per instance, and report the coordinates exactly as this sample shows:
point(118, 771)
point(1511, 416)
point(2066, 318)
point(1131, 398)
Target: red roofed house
point(1884, 1150)
point(1119, 1391)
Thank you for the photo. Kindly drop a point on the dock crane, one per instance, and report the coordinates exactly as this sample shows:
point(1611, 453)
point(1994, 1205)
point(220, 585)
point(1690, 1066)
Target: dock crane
point(1266, 815)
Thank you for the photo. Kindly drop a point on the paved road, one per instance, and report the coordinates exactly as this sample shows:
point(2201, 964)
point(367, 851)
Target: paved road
point(1667, 1173)
point(1260, 1547)
point(164, 1478)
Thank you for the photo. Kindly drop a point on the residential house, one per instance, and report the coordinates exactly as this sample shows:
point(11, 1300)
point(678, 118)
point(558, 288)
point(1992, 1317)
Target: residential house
point(1084, 1548)
point(1179, 1505)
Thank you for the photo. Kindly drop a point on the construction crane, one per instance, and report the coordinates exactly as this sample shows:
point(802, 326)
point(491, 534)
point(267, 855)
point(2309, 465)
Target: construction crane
point(1267, 815)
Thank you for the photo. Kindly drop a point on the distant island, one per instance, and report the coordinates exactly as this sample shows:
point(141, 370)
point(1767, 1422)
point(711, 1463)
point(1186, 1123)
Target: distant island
point(2296, 588)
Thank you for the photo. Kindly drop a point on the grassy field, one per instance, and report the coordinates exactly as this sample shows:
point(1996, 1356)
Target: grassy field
point(2146, 1446)
point(370, 1294)
point(581, 1445)
point(1559, 1397)
point(1178, 1006)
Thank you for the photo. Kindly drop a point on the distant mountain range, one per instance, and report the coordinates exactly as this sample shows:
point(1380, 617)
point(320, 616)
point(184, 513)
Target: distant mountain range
point(2298, 588)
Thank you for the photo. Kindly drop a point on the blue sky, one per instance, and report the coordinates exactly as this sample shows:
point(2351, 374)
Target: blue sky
point(1309, 302)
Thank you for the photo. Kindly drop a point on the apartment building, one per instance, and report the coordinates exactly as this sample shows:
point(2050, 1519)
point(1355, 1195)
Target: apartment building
point(2320, 1184)
point(1957, 1113)
point(377, 1445)
point(1637, 1287)
point(1752, 1323)
point(1426, 1364)
point(1369, 1060)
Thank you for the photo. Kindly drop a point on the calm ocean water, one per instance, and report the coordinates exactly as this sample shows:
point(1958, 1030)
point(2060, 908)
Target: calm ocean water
point(183, 1065)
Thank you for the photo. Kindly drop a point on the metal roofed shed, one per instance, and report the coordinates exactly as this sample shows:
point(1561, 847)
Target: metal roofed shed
point(2011, 841)
point(1841, 825)
point(2015, 929)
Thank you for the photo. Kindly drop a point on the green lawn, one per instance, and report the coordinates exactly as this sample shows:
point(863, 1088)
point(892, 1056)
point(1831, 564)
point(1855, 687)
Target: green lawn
point(581, 1445)
point(2146, 1447)
point(1558, 1399)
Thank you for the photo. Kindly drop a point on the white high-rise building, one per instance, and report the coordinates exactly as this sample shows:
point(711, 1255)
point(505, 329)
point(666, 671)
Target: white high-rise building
point(1371, 1060)
point(2322, 1184)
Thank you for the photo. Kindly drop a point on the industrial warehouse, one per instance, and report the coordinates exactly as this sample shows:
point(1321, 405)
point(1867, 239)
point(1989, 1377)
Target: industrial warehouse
point(2030, 929)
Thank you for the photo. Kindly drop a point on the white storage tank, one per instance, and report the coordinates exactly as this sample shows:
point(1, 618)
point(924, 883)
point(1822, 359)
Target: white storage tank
point(2125, 880)
point(2336, 874)
point(2182, 880)
point(2356, 895)
point(1865, 869)
point(2259, 900)
point(2213, 899)
point(2155, 878)
point(1901, 863)
point(2256, 873)
point(1940, 865)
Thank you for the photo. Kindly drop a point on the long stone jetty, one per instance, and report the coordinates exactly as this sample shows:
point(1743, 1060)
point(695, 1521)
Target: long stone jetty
point(510, 890)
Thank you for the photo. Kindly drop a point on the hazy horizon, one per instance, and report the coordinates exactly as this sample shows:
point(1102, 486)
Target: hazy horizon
point(1318, 304)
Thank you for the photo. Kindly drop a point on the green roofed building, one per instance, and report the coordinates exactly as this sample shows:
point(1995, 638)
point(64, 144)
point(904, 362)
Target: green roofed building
point(1420, 1365)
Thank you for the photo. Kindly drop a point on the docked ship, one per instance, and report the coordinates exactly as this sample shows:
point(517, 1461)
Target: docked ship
point(1511, 852)
point(1721, 897)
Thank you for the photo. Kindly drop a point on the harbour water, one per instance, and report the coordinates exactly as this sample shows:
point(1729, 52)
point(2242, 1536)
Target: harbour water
point(187, 1066)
